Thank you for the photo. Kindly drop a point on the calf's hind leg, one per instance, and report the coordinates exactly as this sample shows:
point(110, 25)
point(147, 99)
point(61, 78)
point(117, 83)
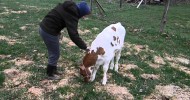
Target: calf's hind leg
point(112, 64)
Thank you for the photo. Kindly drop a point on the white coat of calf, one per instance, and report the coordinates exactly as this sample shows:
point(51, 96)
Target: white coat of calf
point(107, 45)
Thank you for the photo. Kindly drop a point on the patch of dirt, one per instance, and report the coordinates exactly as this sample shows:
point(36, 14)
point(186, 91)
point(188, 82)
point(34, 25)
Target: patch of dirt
point(128, 45)
point(159, 60)
point(183, 60)
point(176, 62)
point(66, 79)
point(128, 53)
point(1, 26)
point(19, 12)
point(23, 28)
point(70, 73)
point(133, 48)
point(15, 78)
point(154, 65)
point(129, 75)
point(48, 85)
point(8, 40)
point(124, 69)
point(41, 54)
point(22, 61)
point(150, 76)
point(68, 96)
point(10, 11)
point(178, 24)
point(120, 93)
point(139, 48)
point(4, 56)
point(36, 91)
point(180, 67)
point(67, 41)
point(33, 7)
point(179, 59)
point(95, 28)
point(169, 92)
point(84, 31)
point(137, 30)
point(63, 82)
point(70, 44)
point(169, 58)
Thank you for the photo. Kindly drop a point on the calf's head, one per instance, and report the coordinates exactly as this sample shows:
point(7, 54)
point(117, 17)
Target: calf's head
point(89, 61)
point(86, 73)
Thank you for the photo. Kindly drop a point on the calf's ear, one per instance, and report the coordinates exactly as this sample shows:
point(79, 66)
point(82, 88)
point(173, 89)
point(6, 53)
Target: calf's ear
point(100, 51)
point(82, 71)
point(82, 67)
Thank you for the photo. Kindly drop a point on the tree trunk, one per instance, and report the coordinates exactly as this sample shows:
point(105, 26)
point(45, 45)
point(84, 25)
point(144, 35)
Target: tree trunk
point(164, 18)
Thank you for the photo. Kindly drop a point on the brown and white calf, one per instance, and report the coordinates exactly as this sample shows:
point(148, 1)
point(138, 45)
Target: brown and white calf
point(107, 46)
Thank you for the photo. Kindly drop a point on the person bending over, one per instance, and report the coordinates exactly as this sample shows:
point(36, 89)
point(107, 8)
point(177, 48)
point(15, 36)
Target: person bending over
point(64, 15)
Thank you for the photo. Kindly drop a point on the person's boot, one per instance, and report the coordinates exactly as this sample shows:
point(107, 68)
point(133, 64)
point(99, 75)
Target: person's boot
point(56, 72)
point(50, 73)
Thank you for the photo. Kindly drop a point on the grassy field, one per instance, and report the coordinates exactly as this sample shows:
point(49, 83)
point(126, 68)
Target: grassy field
point(153, 65)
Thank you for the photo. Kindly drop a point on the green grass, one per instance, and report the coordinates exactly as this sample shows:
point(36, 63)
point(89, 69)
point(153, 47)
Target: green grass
point(174, 41)
point(2, 79)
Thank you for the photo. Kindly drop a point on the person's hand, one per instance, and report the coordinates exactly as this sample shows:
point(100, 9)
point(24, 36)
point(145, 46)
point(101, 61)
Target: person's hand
point(87, 49)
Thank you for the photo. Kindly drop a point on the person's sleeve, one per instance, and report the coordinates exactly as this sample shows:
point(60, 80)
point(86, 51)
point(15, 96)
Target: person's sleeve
point(72, 26)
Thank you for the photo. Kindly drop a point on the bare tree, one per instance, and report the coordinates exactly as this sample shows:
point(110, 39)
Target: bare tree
point(164, 18)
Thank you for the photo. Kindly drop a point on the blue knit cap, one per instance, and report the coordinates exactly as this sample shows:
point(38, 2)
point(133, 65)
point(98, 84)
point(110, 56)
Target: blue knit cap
point(83, 9)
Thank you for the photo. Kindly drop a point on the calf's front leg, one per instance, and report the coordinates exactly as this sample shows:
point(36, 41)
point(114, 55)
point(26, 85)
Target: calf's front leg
point(93, 75)
point(105, 69)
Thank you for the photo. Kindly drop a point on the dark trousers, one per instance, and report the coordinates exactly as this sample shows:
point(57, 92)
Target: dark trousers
point(52, 44)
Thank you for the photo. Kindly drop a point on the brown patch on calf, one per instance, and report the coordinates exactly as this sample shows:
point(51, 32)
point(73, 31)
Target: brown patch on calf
point(112, 44)
point(85, 73)
point(114, 38)
point(113, 28)
point(100, 51)
point(90, 60)
point(118, 39)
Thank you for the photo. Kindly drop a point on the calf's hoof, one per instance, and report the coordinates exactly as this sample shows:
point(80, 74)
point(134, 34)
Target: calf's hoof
point(104, 82)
